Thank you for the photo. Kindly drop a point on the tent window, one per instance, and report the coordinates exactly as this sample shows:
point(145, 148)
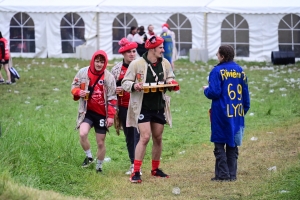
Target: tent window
point(235, 32)
point(182, 28)
point(22, 36)
point(72, 32)
point(289, 34)
point(121, 28)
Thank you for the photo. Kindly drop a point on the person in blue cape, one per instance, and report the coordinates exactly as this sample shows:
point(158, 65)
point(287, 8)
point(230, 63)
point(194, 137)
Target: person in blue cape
point(228, 90)
point(168, 44)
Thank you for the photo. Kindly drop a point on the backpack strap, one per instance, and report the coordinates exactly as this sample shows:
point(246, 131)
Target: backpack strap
point(91, 89)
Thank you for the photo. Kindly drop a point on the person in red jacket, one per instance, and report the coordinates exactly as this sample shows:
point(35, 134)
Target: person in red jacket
point(4, 59)
point(128, 50)
point(95, 87)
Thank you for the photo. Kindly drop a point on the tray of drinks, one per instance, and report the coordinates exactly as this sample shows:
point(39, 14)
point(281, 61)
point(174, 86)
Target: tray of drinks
point(153, 87)
point(159, 86)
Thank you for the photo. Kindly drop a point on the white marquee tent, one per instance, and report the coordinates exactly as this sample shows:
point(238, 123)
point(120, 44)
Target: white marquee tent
point(197, 24)
point(262, 17)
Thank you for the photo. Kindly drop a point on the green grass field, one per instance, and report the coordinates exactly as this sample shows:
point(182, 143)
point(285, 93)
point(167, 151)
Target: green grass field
point(41, 154)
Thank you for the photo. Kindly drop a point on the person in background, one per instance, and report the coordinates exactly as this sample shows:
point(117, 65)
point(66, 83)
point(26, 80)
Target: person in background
point(167, 31)
point(95, 88)
point(228, 90)
point(150, 31)
point(4, 59)
point(146, 111)
point(132, 32)
point(168, 44)
point(140, 38)
point(128, 50)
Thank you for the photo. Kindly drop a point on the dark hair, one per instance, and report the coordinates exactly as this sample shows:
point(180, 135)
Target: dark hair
point(1, 35)
point(100, 57)
point(132, 28)
point(142, 29)
point(227, 52)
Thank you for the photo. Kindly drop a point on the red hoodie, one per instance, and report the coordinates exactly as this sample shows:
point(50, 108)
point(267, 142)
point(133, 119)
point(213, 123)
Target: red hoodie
point(6, 51)
point(96, 102)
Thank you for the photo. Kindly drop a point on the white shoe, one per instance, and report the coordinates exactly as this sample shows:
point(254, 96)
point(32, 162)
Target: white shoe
point(129, 172)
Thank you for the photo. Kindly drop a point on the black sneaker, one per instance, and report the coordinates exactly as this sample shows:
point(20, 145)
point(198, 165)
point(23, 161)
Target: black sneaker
point(99, 170)
point(159, 173)
point(220, 179)
point(87, 161)
point(135, 177)
point(1, 81)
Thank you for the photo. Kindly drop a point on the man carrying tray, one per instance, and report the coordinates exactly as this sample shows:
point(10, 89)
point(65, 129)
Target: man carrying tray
point(146, 111)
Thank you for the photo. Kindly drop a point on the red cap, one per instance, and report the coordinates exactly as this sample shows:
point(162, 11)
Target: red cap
point(166, 25)
point(126, 45)
point(153, 42)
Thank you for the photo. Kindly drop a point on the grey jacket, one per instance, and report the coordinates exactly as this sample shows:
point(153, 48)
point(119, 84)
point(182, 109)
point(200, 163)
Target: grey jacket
point(109, 91)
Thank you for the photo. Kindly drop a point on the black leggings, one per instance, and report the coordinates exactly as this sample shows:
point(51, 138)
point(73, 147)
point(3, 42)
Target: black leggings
point(131, 135)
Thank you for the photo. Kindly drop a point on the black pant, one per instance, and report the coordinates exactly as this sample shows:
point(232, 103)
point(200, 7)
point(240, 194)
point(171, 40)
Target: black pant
point(141, 49)
point(226, 161)
point(131, 135)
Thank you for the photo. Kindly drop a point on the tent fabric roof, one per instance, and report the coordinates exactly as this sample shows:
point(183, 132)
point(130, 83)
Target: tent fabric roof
point(153, 6)
point(254, 6)
point(49, 6)
point(109, 6)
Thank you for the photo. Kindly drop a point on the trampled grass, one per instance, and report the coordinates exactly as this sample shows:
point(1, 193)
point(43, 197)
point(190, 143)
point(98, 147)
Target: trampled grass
point(40, 149)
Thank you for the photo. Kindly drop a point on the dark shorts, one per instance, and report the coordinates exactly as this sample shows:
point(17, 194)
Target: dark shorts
point(157, 116)
point(2, 63)
point(97, 121)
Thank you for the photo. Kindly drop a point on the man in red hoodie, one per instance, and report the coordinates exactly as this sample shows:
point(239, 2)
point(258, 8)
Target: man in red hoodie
point(96, 108)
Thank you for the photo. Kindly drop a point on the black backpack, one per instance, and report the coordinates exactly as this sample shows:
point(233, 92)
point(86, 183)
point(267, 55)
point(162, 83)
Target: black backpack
point(14, 74)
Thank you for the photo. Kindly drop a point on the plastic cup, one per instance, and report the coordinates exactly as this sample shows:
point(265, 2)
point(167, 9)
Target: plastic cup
point(153, 89)
point(161, 89)
point(87, 94)
point(120, 92)
point(146, 87)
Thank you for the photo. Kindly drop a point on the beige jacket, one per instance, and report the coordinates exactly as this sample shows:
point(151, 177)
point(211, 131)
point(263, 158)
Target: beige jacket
point(109, 91)
point(135, 104)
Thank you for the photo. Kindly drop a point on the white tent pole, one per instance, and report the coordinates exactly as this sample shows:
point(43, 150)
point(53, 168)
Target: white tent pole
point(97, 31)
point(205, 30)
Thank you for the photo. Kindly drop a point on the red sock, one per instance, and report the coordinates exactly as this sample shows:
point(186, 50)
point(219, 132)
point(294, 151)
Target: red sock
point(155, 164)
point(137, 165)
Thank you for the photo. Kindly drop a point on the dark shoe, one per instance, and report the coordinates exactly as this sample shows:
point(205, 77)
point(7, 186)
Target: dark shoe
point(159, 173)
point(99, 170)
point(220, 179)
point(87, 161)
point(8, 82)
point(135, 177)
point(232, 179)
point(1, 81)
